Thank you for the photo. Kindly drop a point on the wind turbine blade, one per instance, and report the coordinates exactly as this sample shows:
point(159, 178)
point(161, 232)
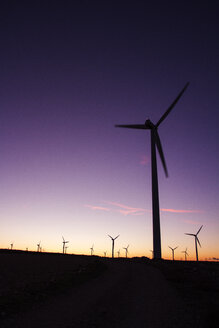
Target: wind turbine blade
point(198, 241)
point(63, 238)
point(170, 247)
point(199, 230)
point(116, 237)
point(176, 247)
point(133, 126)
point(160, 150)
point(190, 234)
point(110, 237)
point(172, 105)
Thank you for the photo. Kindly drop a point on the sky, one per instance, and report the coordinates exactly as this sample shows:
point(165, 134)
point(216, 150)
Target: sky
point(70, 71)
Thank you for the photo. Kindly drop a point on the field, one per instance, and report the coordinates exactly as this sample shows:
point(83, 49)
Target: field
point(55, 290)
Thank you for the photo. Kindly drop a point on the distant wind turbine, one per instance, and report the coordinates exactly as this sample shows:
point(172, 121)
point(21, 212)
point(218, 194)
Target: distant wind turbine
point(126, 251)
point(12, 245)
point(173, 250)
point(104, 254)
point(113, 240)
point(92, 250)
point(196, 241)
point(186, 254)
point(66, 249)
point(38, 246)
point(64, 242)
point(156, 143)
point(118, 252)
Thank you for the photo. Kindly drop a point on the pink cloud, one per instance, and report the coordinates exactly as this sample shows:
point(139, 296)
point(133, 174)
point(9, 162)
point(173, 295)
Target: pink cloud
point(128, 210)
point(99, 208)
point(179, 211)
point(144, 160)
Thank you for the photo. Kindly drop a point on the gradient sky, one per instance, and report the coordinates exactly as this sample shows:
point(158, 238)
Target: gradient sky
point(70, 71)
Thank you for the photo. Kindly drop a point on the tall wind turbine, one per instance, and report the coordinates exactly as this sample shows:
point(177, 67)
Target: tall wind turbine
point(92, 250)
point(126, 251)
point(155, 142)
point(113, 240)
point(186, 254)
point(196, 241)
point(173, 250)
point(64, 242)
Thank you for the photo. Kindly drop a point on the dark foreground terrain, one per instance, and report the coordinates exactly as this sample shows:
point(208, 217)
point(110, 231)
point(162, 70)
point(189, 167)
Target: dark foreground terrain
point(55, 290)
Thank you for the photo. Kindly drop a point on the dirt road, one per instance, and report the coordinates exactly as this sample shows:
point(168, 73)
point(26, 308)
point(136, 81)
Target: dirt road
point(127, 294)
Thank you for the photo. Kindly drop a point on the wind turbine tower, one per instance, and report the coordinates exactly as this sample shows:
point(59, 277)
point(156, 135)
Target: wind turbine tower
point(64, 242)
point(113, 241)
point(92, 250)
point(118, 252)
point(186, 254)
point(156, 144)
point(196, 241)
point(38, 246)
point(173, 250)
point(12, 245)
point(126, 251)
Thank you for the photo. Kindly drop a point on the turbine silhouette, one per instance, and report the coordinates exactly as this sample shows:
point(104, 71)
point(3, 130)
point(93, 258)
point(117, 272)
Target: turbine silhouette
point(173, 250)
point(38, 246)
point(156, 143)
point(12, 245)
point(186, 254)
point(64, 242)
point(66, 249)
point(118, 252)
point(113, 240)
point(92, 250)
point(126, 251)
point(196, 241)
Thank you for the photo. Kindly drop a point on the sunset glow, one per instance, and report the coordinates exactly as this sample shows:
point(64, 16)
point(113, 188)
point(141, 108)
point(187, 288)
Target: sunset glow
point(70, 73)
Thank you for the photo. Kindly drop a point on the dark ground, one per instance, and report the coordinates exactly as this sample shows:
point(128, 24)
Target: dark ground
point(55, 290)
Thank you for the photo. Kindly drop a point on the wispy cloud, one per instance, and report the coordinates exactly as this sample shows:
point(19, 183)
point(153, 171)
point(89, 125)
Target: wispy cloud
point(98, 208)
point(130, 210)
point(179, 211)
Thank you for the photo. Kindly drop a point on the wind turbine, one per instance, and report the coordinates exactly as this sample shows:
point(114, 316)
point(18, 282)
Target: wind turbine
point(66, 249)
point(173, 249)
point(64, 242)
point(196, 241)
point(38, 246)
point(113, 240)
point(104, 254)
point(118, 252)
point(186, 254)
point(126, 251)
point(92, 250)
point(155, 142)
point(12, 244)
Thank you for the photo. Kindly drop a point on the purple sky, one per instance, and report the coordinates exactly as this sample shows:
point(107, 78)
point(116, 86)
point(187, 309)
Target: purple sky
point(72, 70)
